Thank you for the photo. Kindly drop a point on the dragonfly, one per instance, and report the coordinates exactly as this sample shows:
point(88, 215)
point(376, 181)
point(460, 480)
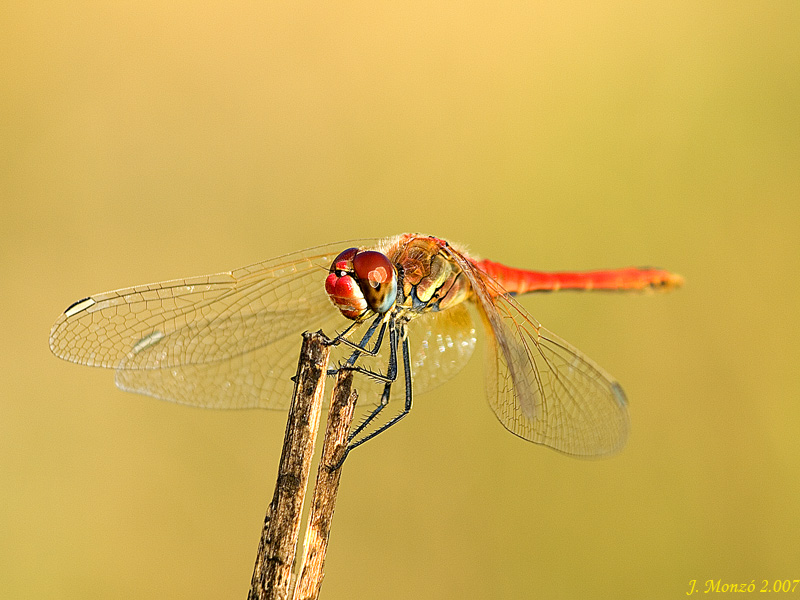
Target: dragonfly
point(404, 303)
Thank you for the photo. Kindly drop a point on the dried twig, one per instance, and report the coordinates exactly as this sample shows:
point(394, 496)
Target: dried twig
point(343, 403)
point(276, 551)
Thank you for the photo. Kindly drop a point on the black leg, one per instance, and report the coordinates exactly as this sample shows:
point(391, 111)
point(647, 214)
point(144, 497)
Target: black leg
point(385, 399)
point(360, 348)
point(339, 336)
point(391, 375)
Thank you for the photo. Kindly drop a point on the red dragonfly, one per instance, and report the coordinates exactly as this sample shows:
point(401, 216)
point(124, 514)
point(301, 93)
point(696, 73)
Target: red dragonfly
point(229, 340)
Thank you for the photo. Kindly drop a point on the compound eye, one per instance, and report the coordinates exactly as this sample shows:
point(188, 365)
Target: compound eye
point(376, 278)
point(341, 264)
point(373, 268)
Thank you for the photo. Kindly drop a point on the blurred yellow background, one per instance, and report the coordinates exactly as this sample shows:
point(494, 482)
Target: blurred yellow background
point(152, 140)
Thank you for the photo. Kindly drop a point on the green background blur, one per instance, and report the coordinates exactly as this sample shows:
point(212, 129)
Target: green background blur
point(144, 141)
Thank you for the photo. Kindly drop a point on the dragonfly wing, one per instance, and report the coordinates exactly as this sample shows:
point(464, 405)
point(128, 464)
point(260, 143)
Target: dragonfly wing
point(260, 378)
point(197, 320)
point(441, 344)
point(540, 387)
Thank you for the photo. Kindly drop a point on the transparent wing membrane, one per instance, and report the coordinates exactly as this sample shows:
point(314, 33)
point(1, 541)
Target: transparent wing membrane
point(260, 378)
point(442, 343)
point(228, 340)
point(540, 387)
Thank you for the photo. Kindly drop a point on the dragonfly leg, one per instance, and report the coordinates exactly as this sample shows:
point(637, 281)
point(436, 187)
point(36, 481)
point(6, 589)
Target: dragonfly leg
point(384, 402)
point(360, 350)
point(391, 375)
point(339, 336)
point(361, 347)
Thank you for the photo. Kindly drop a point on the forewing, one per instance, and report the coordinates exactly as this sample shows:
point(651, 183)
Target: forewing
point(198, 320)
point(540, 387)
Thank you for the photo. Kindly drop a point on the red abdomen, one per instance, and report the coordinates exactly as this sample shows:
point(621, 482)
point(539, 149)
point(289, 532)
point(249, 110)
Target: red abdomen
point(521, 281)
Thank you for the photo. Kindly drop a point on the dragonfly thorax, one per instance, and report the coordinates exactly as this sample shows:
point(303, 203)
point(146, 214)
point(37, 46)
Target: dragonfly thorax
point(431, 280)
point(362, 282)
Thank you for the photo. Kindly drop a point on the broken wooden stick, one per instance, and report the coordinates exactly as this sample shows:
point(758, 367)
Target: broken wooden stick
point(340, 415)
point(272, 575)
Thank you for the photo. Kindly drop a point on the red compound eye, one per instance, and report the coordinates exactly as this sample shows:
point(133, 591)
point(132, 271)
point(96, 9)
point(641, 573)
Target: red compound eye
point(342, 262)
point(343, 288)
point(376, 278)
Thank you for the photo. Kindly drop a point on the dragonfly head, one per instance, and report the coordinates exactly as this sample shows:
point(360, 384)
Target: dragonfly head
point(360, 282)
